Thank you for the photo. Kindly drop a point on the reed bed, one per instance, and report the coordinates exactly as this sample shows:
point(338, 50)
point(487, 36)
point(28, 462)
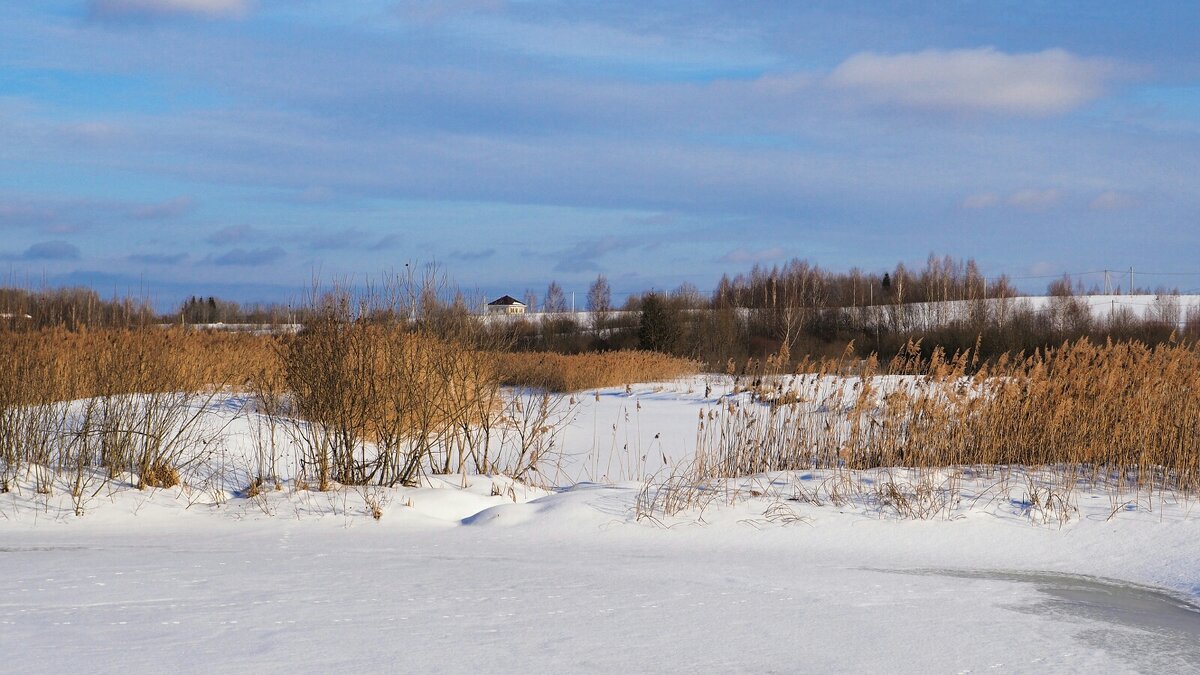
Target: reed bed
point(577, 372)
point(78, 408)
point(361, 401)
point(59, 365)
point(370, 402)
point(1123, 417)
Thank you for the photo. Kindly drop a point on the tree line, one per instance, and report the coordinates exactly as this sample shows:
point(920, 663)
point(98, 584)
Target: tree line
point(801, 309)
point(797, 308)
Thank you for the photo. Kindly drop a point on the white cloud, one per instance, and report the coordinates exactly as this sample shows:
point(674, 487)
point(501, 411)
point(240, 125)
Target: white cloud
point(1112, 200)
point(314, 194)
point(162, 210)
point(742, 255)
point(208, 8)
point(1043, 268)
point(1034, 199)
point(233, 234)
point(1031, 199)
point(982, 200)
point(90, 132)
point(51, 250)
point(435, 10)
point(1049, 82)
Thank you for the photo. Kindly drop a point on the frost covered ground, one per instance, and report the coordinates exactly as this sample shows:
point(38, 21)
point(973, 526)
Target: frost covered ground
point(478, 574)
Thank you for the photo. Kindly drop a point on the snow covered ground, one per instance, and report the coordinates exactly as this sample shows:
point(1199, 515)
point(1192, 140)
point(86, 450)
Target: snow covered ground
point(474, 573)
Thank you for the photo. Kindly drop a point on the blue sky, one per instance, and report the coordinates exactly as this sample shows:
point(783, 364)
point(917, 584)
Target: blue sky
point(240, 147)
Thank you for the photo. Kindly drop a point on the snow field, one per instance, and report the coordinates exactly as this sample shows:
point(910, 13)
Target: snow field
point(467, 573)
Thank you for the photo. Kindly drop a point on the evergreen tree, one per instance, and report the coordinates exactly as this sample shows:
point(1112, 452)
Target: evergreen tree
point(658, 329)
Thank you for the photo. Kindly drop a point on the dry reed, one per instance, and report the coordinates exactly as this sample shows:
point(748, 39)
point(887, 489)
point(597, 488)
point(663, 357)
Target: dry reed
point(577, 372)
point(113, 402)
point(1123, 417)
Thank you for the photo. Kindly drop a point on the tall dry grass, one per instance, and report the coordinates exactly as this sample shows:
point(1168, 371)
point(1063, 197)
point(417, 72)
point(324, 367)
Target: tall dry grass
point(368, 397)
point(384, 384)
point(82, 407)
point(61, 365)
point(1125, 416)
point(577, 372)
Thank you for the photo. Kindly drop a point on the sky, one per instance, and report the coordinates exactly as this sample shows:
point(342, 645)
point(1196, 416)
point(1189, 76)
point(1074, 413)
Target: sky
point(242, 148)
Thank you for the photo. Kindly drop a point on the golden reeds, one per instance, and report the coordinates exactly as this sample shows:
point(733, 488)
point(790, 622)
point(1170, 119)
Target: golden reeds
point(113, 400)
point(1125, 414)
point(58, 365)
point(577, 372)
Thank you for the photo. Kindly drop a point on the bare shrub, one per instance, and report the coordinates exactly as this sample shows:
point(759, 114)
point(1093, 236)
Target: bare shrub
point(389, 383)
point(529, 428)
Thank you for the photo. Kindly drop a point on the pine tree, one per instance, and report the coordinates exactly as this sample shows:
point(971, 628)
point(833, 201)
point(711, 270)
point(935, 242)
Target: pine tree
point(658, 329)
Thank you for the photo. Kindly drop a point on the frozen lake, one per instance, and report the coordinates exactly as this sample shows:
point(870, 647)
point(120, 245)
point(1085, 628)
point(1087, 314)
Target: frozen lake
point(318, 595)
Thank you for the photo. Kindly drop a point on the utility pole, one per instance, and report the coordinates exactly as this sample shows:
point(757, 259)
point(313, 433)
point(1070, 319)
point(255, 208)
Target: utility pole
point(1106, 282)
point(1131, 280)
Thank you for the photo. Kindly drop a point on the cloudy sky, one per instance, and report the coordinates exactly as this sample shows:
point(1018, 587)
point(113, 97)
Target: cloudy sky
point(238, 147)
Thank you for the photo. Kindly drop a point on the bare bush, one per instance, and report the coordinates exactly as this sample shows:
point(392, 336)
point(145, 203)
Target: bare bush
point(530, 426)
point(389, 383)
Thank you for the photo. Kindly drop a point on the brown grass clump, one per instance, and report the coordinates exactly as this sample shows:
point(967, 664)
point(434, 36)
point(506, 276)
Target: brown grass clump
point(159, 476)
point(137, 394)
point(1119, 413)
point(576, 372)
point(59, 365)
point(255, 488)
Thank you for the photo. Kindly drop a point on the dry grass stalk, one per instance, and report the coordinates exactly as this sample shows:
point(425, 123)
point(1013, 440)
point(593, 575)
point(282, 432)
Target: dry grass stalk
point(577, 372)
point(1124, 417)
point(125, 401)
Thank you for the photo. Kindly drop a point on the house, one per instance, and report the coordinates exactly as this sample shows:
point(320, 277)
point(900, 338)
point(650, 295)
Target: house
point(506, 305)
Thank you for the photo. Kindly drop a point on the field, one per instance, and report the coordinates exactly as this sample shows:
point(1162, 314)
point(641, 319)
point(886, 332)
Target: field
point(828, 519)
point(484, 336)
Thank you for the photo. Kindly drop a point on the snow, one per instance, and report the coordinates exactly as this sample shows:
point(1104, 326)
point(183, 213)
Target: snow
point(472, 573)
point(931, 315)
